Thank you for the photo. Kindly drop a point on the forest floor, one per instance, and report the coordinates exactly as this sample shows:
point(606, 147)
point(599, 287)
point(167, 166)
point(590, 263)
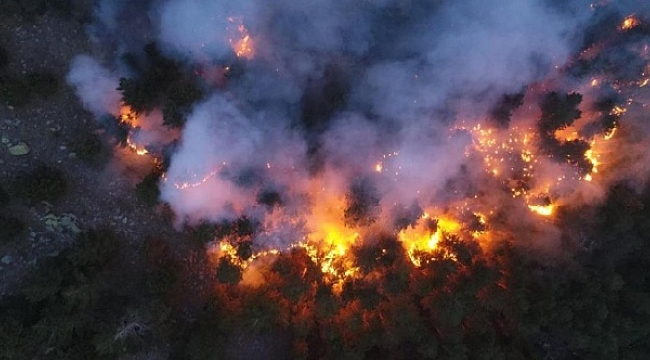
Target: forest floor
point(100, 195)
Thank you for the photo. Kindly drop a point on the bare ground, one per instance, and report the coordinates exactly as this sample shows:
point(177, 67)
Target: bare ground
point(97, 196)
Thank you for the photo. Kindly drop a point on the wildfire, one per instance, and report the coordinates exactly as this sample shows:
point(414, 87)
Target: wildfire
point(225, 249)
point(329, 241)
point(421, 241)
point(129, 117)
point(629, 22)
point(544, 210)
point(188, 184)
point(241, 41)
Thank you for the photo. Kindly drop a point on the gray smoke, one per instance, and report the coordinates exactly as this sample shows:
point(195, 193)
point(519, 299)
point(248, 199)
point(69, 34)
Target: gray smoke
point(333, 89)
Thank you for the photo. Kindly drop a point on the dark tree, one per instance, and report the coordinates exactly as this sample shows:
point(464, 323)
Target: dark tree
point(159, 81)
point(4, 197)
point(270, 198)
point(147, 190)
point(45, 183)
point(10, 228)
point(228, 272)
point(502, 111)
point(322, 98)
point(362, 204)
point(405, 216)
point(4, 57)
point(558, 112)
point(14, 91)
point(138, 95)
point(43, 83)
point(204, 232)
point(90, 149)
point(179, 101)
point(378, 254)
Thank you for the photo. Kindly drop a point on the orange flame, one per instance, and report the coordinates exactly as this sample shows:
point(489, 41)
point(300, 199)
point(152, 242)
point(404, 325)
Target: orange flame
point(543, 210)
point(423, 239)
point(243, 46)
point(130, 117)
point(629, 22)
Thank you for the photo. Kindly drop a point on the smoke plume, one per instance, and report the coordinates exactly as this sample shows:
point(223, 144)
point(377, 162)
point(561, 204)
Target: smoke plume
point(317, 113)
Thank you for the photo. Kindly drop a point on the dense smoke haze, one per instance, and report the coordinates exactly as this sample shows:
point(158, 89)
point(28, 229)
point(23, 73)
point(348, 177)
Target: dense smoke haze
point(359, 117)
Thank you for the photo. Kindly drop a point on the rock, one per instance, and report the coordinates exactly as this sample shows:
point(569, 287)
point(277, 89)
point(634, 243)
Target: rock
point(5, 139)
point(19, 149)
point(7, 259)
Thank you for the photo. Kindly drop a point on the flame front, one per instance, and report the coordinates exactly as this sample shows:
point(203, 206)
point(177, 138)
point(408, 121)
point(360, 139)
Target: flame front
point(241, 41)
point(421, 241)
point(629, 23)
point(130, 118)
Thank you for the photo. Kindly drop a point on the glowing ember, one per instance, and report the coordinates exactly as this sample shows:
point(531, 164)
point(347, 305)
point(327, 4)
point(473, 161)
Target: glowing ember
point(629, 23)
point(421, 241)
point(610, 134)
point(544, 210)
point(243, 44)
point(139, 150)
point(194, 183)
point(129, 117)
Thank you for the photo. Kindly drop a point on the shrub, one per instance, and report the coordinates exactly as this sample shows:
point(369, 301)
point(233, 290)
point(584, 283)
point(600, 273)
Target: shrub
point(4, 197)
point(147, 191)
point(45, 183)
point(228, 272)
point(204, 232)
point(94, 248)
point(33, 7)
point(9, 8)
point(90, 149)
point(10, 228)
point(65, 7)
point(42, 83)
point(4, 57)
point(16, 92)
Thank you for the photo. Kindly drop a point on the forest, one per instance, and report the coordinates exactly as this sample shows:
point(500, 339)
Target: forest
point(108, 253)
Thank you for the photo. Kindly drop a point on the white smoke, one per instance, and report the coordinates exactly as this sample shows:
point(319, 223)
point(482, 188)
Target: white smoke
point(95, 86)
point(405, 71)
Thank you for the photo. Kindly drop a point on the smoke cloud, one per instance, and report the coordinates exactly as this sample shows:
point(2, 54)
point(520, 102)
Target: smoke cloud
point(331, 94)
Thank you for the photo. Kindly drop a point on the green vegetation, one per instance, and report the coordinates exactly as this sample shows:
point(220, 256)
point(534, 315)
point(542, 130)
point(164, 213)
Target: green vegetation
point(362, 204)
point(94, 301)
point(44, 183)
point(20, 91)
point(10, 228)
point(14, 91)
point(4, 197)
point(147, 191)
point(227, 272)
point(4, 57)
point(42, 83)
point(163, 84)
point(30, 9)
point(90, 149)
